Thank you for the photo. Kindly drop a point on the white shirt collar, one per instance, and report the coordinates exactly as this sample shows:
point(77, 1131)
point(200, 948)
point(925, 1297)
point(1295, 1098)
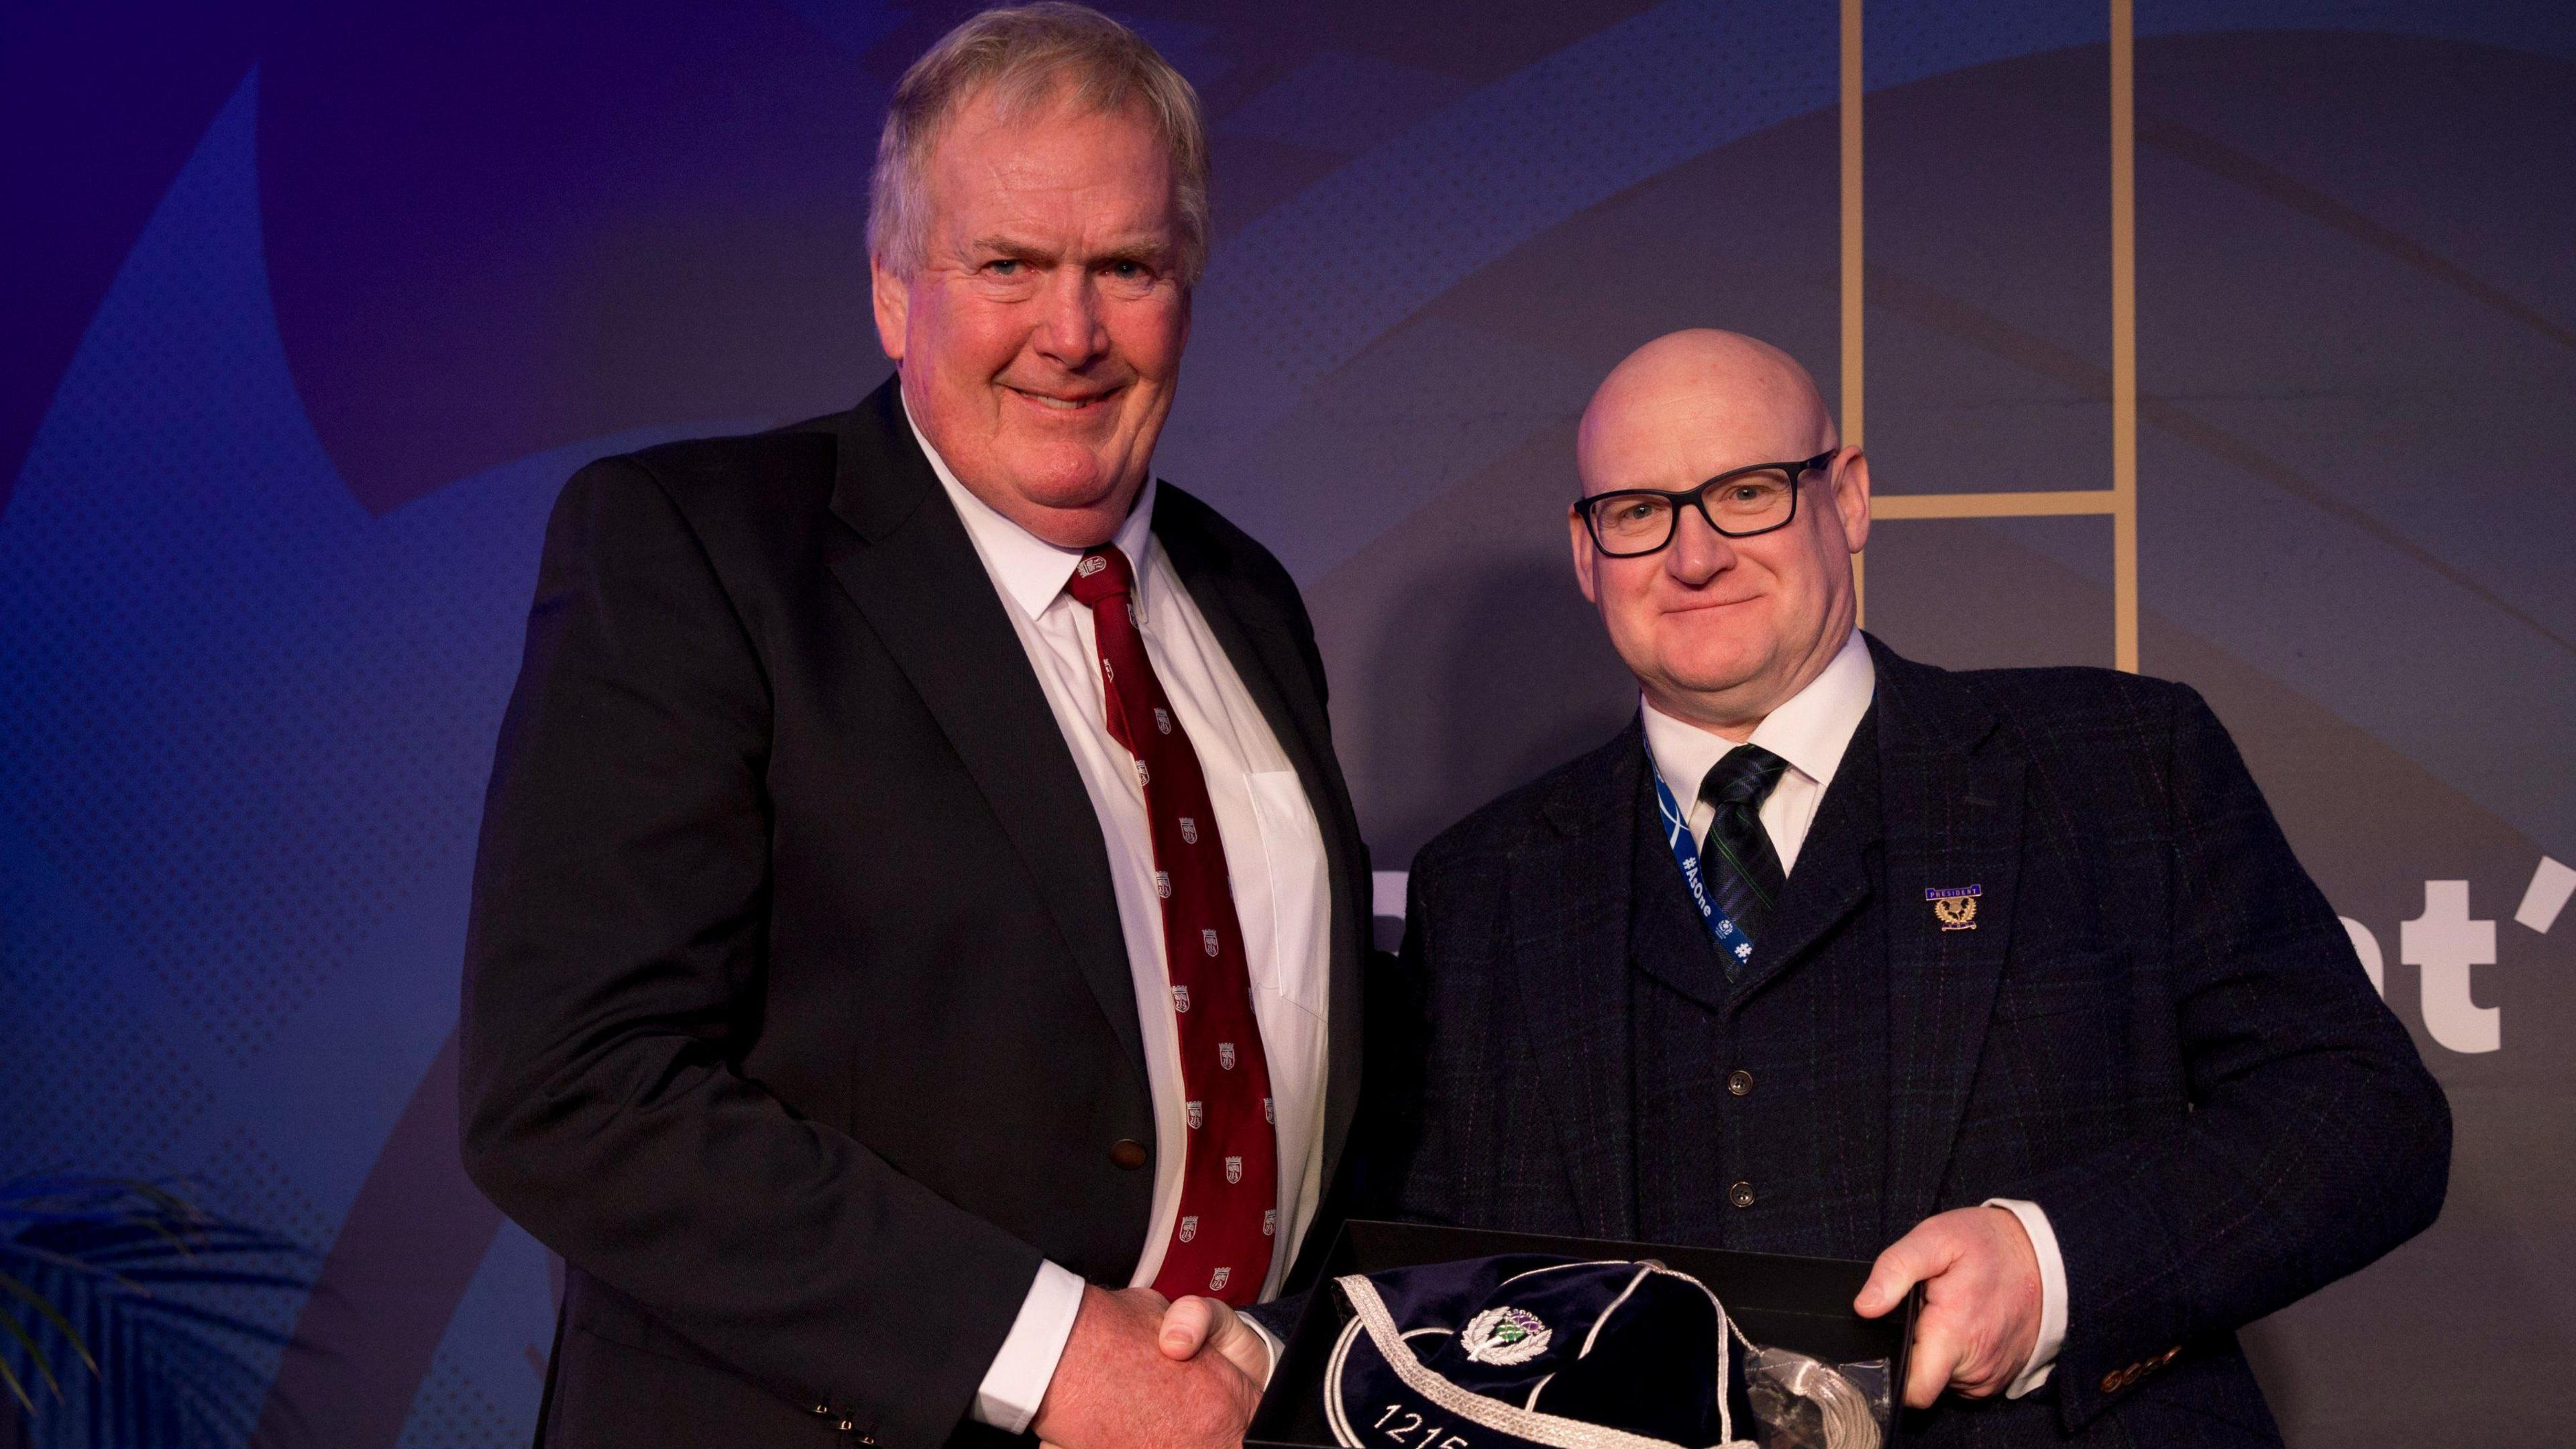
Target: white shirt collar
point(1810, 730)
point(1030, 570)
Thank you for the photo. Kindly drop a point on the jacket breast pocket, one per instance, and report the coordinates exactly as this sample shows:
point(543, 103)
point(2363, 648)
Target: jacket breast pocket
point(2054, 983)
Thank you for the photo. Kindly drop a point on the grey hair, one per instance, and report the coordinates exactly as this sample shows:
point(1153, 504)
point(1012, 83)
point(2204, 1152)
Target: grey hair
point(1022, 55)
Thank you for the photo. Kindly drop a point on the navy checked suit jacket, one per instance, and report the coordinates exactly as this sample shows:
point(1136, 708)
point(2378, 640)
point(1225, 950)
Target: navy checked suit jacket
point(2158, 1030)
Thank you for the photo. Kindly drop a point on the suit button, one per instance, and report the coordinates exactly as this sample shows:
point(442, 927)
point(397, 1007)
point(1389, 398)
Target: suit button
point(1740, 1083)
point(1128, 1153)
point(1741, 1194)
point(823, 1409)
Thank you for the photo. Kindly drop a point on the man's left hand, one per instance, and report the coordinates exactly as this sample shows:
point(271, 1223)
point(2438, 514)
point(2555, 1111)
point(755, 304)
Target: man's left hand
point(1981, 1301)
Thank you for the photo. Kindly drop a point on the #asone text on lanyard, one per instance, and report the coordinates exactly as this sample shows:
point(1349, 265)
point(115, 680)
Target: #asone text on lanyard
point(1730, 937)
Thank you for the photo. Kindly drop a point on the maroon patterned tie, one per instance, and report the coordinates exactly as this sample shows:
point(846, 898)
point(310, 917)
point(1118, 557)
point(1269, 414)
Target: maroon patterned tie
point(1230, 1174)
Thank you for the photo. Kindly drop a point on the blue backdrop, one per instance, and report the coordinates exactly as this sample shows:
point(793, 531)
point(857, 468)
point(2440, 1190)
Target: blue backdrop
point(310, 309)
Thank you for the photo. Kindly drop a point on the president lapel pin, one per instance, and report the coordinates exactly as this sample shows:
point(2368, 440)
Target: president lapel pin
point(1955, 907)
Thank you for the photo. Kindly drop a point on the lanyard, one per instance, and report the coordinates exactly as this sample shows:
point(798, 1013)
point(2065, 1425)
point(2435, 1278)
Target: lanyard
point(1722, 929)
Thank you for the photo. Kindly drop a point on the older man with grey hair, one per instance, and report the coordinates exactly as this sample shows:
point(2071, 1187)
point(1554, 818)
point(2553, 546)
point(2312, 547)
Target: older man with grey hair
point(919, 917)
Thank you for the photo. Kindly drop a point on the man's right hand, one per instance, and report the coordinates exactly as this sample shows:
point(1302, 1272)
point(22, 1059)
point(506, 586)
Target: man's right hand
point(1116, 1386)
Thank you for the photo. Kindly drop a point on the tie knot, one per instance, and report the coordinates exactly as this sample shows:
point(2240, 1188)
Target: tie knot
point(1102, 574)
point(1742, 778)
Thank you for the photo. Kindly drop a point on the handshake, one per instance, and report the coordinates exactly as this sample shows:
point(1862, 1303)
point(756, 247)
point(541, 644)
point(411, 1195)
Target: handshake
point(1140, 1371)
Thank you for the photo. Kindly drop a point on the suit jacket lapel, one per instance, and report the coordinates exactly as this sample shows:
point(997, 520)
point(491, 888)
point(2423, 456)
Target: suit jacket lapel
point(1952, 813)
point(911, 569)
point(1569, 904)
point(1261, 646)
point(1835, 874)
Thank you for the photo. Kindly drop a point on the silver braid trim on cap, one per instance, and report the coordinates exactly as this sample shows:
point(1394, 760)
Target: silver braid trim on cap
point(1558, 1433)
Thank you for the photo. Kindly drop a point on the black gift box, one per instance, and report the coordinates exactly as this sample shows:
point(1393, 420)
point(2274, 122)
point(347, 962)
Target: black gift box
point(1795, 1303)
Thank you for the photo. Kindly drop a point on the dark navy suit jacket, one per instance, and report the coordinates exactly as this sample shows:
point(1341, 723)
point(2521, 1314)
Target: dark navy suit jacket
point(2157, 1030)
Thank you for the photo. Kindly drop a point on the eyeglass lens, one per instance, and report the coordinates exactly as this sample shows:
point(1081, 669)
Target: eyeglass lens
point(1746, 503)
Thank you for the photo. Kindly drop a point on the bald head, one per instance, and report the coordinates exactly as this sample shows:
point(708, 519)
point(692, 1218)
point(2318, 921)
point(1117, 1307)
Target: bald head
point(1690, 405)
point(1720, 629)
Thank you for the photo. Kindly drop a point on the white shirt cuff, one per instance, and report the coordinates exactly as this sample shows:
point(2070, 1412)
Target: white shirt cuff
point(2052, 1294)
point(1268, 1341)
point(1017, 1382)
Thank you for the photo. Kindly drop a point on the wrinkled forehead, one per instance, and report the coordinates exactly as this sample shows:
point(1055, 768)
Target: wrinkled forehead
point(1674, 437)
point(1057, 147)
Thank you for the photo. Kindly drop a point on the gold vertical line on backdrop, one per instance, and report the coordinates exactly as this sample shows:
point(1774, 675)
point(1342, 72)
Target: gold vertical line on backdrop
point(1852, 291)
point(2124, 341)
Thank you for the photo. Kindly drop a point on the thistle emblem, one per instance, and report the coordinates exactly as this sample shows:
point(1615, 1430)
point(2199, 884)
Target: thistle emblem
point(1505, 1336)
point(1955, 907)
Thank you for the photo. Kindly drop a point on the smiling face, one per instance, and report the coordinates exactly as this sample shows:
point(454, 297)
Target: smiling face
point(1040, 339)
point(1721, 631)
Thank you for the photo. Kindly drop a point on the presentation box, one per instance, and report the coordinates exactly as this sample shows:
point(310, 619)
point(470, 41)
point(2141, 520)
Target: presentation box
point(1779, 1301)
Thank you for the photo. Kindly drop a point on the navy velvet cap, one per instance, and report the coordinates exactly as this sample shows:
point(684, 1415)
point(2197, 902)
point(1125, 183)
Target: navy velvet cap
point(1494, 1353)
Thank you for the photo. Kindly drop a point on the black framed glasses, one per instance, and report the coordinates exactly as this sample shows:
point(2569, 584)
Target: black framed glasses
point(1738, 503)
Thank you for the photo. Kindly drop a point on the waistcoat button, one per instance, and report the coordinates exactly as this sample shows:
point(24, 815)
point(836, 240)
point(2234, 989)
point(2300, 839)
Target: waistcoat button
point(1740, 1083)
point(1128, 1153)
point(1741, 1194)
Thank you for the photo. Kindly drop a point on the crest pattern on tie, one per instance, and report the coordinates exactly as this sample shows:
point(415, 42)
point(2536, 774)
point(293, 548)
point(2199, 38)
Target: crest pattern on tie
point(1230, 1173)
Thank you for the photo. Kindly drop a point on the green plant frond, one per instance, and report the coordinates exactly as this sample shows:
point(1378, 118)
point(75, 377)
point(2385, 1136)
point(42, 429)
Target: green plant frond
point(69, 1264)
point(108, 1265)
point(17, 1390)
point(35, 1350)
point(53, 1315)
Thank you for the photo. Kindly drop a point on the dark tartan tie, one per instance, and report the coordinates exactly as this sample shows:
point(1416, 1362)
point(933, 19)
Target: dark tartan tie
point(1741, 865)
point(1220, 1246)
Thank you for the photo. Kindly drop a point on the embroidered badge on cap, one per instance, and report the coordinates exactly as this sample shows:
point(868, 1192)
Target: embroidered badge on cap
point(1505, 1336)
point(1955, 907)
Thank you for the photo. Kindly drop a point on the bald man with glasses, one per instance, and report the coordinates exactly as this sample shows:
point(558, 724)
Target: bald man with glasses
point(2004, 979)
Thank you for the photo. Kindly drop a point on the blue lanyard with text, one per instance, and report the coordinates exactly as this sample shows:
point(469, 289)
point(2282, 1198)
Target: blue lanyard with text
point(1730, 937)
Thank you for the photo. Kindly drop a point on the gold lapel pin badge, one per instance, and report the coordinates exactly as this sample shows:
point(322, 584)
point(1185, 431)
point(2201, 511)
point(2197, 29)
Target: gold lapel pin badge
point(1955, 907)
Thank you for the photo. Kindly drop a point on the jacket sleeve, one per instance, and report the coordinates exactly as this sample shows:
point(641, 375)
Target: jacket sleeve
point(617, 946)
point(2315, 1140)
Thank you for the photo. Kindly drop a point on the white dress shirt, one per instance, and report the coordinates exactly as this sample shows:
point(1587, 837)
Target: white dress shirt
point(1811, 731)
point(1274, 853)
